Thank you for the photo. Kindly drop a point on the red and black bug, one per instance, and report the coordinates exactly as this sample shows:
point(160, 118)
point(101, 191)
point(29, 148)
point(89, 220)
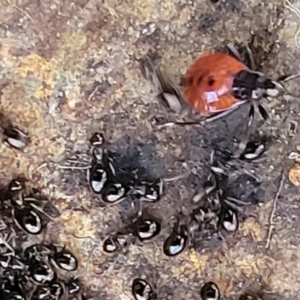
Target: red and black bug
point(216, 84)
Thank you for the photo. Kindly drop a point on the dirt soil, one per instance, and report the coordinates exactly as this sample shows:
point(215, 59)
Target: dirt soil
point(71, 68)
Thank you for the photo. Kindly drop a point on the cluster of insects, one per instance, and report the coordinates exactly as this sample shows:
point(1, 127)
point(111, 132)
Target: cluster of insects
point(25, 209)
point(214, 215)
point(12, 135)
point(30, 270)
point(142, 290)
point(210, 291)
point(142, 228)
point(115, 183)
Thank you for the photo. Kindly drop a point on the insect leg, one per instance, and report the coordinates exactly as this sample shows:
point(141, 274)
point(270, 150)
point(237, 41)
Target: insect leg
point(221, 115)
point(251, 58)
point(234, 51)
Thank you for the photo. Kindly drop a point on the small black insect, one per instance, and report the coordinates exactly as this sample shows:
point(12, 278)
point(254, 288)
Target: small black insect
point(98, 178)
point(253, 151)
point(28, 220)
point(63, 258)
point(146, 228)
point(176, 242)
point(153, 191)
point(41, 272)
point(16, 185)
point(229, 219)
point(16, 138)
point(13, 191)
point(116, 242)
point(97, 139)
point(113, 192)
point(141, 290)
point(210, 291)
point(110, 244)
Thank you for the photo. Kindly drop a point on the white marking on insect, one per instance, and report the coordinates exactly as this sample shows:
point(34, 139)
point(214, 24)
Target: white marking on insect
point(71, 266)
point(115, 197)
point(97, 185)
point(150, 232)
point(211, 97)
point(231, 225)
point(34, 228)
point(16, 143)
point(258, 151)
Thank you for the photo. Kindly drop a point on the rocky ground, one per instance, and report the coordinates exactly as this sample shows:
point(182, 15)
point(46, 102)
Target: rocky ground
point(71, 68)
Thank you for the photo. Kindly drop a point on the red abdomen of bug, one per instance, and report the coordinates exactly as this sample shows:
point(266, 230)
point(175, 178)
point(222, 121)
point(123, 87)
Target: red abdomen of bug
point(209, 82)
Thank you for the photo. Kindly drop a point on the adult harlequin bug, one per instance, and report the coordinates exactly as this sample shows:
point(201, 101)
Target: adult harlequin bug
point(216, 84)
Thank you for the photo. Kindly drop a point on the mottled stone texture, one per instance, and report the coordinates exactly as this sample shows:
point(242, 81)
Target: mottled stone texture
point(70, 68)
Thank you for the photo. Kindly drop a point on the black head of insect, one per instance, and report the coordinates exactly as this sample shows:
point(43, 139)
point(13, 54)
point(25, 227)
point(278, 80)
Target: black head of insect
point(177, 241)
point(146, 228)
point(142, 290)
point(17, 185)
point(97, 139)
point(250, 85)
point(210, 291)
